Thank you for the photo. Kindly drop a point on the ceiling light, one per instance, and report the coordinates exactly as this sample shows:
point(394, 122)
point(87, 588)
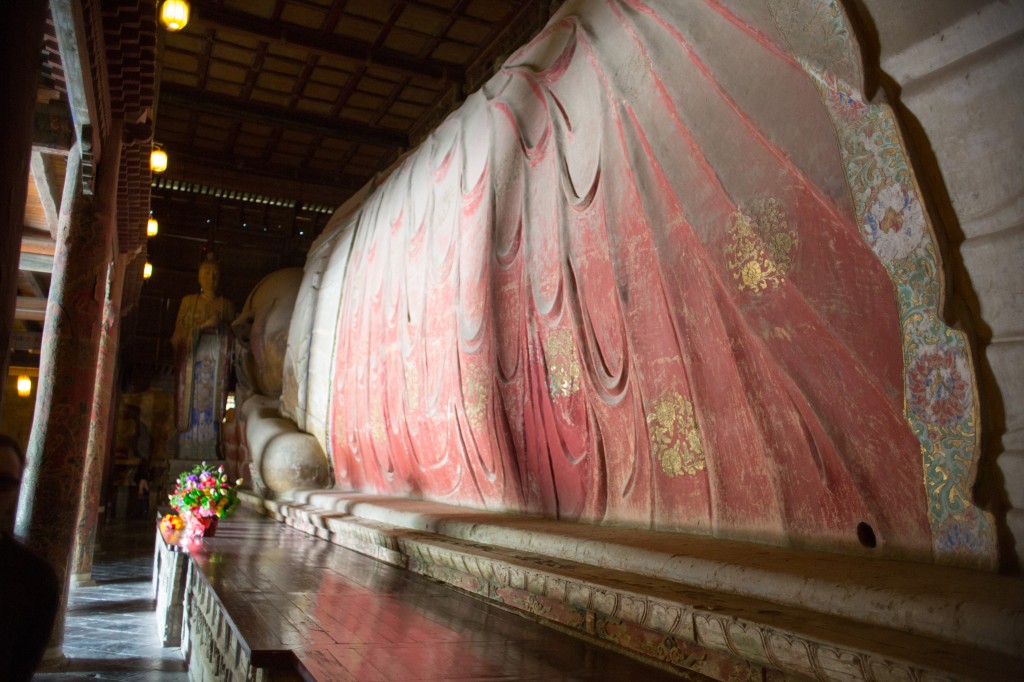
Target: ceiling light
point(152, 227)
point(24, 386)
point(158, 160)
point(174, 14)
point(147, 271)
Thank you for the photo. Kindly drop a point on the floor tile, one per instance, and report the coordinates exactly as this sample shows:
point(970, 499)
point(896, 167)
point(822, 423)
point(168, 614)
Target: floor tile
point(110, 633)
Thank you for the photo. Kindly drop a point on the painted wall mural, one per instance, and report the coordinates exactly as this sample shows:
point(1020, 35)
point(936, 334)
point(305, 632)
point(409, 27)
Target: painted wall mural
point(666, 269)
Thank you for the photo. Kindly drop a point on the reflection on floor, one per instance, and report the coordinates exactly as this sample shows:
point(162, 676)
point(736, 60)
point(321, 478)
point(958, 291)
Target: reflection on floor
point(342, 616)
point(111, 627)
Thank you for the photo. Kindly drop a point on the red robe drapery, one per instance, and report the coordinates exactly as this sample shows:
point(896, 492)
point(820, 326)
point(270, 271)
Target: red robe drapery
point(624, 283)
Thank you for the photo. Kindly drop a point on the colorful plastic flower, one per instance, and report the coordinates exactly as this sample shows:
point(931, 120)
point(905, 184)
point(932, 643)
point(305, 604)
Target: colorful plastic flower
point(202, 493)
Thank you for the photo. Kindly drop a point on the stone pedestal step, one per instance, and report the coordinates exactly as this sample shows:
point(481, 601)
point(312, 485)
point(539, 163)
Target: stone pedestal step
point(694, 602)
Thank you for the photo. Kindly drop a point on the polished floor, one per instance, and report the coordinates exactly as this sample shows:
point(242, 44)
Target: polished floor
point(343, 616)
point(111, 626)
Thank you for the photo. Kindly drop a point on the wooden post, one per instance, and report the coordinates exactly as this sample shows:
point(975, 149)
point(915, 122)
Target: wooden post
point(52, 484)
point(100, 426)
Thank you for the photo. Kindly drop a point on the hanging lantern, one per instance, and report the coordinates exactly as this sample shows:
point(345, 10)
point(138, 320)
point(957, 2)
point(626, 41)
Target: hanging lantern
point(152, 227)
point(24, 386)
point(174, 14)
point(158, 160)
point(147, 271)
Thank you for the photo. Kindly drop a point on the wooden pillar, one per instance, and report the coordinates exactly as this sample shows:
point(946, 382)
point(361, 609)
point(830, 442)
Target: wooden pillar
point(21, 42)
point(52, 484)
point(100, 426)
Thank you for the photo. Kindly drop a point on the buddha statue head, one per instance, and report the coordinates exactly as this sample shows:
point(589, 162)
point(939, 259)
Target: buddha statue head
point(209, 276)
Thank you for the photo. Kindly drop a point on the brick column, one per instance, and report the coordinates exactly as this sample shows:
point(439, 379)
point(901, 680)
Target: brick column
point(99, 428)
point(52, 484)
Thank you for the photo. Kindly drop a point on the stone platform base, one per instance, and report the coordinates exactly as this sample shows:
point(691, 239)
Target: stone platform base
point(728, 610)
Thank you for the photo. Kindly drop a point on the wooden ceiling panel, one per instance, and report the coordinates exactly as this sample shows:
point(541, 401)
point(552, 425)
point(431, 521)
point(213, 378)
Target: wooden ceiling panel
point(229, 88)
point(410, 42)
point(302, 15)
point(248, 151)
point(212, 122)
point(370, 9)
point(236, 54)
point(174, 122)
point(467, 31)
point(359, 115)
point(293, 148)
point(423, 20)
point(312, 106)
point(281, 65)
point(185, 41)
point(491, 11)
point(385, 73)
point(285, 159)
point(376, 87)
point(358, 29)
point(322, 93)
point(227, 71)
point(452, 52)
point(208, 144)
point(180, 61)
point(326, 166)
point(273, 82)
point(276, 99)
point(406, 110)
point(330, 77)
point(296, 137)
point(255, 129)
point(363, 100)
point(288, 51)
point(190, 79)
point(261, 8)
point(232, 36)
point(393, 121)
point(419, 95)
point(339, 64)
point(431, 85)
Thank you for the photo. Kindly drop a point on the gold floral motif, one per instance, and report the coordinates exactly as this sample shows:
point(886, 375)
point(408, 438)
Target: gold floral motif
point(563, 364)
point(476, 395)
point(412, 385)
point(675, 437)
point(377, 427)
point(761, 245)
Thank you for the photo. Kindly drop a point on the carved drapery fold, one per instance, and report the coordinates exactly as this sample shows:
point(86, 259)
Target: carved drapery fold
point(668, 269)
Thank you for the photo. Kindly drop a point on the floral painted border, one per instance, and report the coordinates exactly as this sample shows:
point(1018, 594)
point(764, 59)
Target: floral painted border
point(940, 396)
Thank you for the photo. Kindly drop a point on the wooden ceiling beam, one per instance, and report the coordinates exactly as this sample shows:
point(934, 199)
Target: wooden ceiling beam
point(216, 171)
point(33, 262)
point(173, 95)
point(50, 186)
point(205, 12)
point(30, 308)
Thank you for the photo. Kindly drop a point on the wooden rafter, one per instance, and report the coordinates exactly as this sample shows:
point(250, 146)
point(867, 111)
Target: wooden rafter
point(184, 97)
point(210, 14)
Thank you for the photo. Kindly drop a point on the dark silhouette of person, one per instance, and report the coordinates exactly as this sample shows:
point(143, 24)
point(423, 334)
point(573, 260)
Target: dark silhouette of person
point(29, 590)
point(141, 509)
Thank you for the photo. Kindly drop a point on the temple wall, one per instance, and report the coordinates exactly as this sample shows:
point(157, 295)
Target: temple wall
point(953, 68)
point(515, 354)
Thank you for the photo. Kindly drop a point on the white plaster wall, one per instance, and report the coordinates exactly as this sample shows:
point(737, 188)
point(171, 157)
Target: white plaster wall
point(954, 69)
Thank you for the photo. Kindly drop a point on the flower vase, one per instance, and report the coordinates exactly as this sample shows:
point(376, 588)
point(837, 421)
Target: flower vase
point(199, 526)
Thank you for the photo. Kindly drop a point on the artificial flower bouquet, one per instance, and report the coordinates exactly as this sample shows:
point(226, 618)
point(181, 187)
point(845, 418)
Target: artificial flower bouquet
point(200, 496)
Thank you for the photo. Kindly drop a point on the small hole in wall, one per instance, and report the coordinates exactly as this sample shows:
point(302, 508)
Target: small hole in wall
point(866, 535)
